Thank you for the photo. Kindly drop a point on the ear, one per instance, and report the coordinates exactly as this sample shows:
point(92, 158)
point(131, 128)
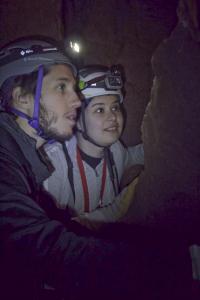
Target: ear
point(16, 94)
point(21, 101)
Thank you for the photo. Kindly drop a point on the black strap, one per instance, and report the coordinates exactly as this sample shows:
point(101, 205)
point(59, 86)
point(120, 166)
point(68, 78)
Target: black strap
point(111, 166)
point(70, 168)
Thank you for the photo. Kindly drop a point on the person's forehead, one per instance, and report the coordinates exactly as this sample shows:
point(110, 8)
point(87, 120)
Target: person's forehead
point(104, 99)
point(60, 72)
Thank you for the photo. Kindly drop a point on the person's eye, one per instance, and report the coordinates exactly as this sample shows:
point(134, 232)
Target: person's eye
point(99, 110)
point(116, 108)
point(61, 87)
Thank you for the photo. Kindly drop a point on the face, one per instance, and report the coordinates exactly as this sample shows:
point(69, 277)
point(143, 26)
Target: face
point(104, 120)
point(59, 103)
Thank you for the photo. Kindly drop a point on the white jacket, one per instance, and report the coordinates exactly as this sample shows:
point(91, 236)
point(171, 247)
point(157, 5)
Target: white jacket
point(58, 184)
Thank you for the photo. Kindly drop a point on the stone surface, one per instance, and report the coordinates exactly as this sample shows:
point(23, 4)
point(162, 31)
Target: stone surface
point(38, 17)
point(169, 189)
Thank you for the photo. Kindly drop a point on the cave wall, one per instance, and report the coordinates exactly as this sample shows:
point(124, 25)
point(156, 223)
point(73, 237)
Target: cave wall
point(39, 17)
point(112, 32)
point(167, 196)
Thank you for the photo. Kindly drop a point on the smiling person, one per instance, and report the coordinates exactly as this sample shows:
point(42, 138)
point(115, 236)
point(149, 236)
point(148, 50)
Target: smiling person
point(88, 180)
point(39, 104)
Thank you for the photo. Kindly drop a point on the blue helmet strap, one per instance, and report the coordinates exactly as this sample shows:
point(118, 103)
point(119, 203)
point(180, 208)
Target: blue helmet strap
point(34, 121)
point(19, 113)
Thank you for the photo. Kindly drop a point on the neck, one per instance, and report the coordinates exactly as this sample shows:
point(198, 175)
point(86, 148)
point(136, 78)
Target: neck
point(23, 124)
point(89, 148)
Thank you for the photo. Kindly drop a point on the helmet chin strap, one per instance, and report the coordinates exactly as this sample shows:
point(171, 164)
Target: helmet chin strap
point(34, 120)
point(89, 139)
point(84, 131)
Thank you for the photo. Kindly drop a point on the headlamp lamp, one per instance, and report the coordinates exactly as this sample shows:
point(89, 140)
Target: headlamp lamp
point(112, 80)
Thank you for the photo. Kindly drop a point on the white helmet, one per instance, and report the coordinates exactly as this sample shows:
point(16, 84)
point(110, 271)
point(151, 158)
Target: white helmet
point(99, 80)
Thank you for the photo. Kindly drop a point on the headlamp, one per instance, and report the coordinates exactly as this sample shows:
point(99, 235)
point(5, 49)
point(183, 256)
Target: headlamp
point(112, 80)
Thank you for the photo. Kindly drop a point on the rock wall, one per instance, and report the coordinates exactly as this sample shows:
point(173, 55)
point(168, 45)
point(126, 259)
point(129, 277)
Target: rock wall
point(19, 18)
point(168, 192)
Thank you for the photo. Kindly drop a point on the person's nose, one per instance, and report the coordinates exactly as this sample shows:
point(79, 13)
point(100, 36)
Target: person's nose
point(75, 100)
point(112, 115)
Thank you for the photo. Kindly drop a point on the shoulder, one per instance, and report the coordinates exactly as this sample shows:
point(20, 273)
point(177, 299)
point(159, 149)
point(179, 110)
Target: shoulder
point(71, 146)
point(72, 142)
point(57, 153)
point(118, 147)
point(119, 152)
point(57, 146)
point(50, 148)
point(137, 148)
point(10, 145)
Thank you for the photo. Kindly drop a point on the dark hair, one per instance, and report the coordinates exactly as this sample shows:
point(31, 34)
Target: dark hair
point(27, 83)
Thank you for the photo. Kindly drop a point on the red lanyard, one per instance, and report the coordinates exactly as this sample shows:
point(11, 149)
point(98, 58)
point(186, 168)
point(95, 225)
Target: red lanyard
point(84, 181)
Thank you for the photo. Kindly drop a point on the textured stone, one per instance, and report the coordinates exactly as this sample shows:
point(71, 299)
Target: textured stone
point(38, 17)
point(169, 189)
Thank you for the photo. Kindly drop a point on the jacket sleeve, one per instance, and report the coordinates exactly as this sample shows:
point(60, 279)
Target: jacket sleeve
point(135, 155)
point(126, 157)
point(112, 212)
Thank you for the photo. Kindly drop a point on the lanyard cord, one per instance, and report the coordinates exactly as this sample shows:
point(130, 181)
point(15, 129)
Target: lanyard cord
point(34, 122)
point(116, 173)
point(70, 169)
point(84, 181)
point(111, 166)
point(103, 182)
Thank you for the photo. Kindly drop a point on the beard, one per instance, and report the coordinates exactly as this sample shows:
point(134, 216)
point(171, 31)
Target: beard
point(47, 119)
